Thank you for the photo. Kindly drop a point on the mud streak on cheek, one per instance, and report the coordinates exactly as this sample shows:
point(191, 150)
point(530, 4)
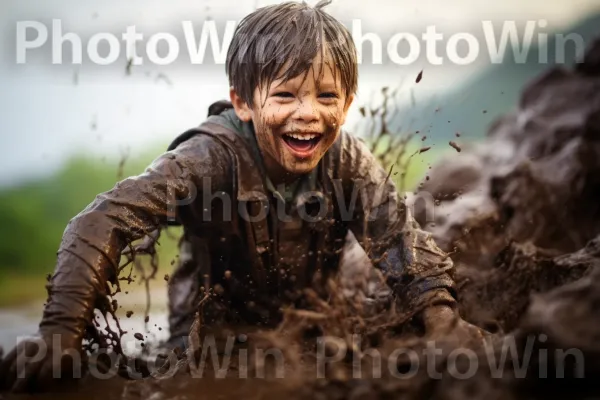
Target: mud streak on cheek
point(274, 140)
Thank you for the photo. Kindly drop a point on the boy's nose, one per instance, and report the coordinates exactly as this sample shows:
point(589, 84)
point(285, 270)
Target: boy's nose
point(307, 111)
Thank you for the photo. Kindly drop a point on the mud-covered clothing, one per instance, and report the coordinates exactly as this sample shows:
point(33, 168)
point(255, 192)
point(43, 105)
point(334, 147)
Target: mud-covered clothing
point(240, 246)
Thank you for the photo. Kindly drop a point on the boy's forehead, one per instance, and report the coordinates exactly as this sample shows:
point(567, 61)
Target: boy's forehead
point(322, 71)
point(307, 79)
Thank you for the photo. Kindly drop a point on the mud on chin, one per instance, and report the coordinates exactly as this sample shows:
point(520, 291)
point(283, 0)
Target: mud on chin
point(303, 166)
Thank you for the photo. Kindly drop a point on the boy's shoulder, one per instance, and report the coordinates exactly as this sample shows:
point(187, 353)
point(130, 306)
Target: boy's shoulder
point(353, 157)
point(197, 144)
point(351, 144)
point(208, 135)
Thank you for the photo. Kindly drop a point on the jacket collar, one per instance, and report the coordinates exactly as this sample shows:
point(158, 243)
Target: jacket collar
point(252, 180)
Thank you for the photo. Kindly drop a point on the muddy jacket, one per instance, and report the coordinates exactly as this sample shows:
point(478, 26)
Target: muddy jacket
point(242, 242)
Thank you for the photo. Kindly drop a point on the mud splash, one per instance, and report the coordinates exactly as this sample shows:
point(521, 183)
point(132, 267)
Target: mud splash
point(538, 351)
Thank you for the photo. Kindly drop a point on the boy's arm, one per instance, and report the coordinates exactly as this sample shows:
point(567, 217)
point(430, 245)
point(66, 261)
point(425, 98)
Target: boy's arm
point(92, 243)
point(89, 255)
point(417, 270)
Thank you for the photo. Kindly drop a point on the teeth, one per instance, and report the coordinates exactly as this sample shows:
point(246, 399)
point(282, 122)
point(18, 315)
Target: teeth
point(303, 137)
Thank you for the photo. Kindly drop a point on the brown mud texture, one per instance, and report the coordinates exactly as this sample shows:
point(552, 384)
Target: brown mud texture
point(520, 215)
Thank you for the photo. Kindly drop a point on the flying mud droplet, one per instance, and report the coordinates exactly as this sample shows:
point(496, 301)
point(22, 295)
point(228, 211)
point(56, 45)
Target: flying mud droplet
point(457, 134)
point(419, 77)
point(128, 314)
point(128, 66)
point(138, 336)
point(455, 146)
point(424, 149)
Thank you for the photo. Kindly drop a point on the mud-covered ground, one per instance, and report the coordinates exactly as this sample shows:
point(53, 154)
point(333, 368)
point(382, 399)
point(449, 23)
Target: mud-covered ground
point(520, 215)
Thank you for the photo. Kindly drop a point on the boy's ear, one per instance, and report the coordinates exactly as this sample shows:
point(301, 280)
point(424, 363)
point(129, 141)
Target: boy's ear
point(347, 105)
point(241, 108)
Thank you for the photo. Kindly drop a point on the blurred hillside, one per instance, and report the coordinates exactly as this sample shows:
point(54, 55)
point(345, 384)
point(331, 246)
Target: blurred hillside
point(470, 108)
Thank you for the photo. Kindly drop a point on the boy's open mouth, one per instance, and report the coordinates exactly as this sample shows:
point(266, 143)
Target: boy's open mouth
point(302, 144)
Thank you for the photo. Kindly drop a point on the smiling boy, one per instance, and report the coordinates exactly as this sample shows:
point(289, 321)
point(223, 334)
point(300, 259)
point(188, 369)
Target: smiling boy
point(267, 190)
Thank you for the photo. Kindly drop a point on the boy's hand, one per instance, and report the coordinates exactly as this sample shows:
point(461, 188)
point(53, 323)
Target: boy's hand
point(42, 362)
point(442, 321)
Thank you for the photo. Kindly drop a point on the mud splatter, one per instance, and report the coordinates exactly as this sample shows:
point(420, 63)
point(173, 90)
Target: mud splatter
point(455, 146)
point(122, 161)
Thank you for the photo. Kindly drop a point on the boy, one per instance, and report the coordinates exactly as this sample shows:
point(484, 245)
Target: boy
point(266, 189)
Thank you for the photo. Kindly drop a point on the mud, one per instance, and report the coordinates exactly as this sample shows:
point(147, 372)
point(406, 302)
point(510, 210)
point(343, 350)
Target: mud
point(534, 179)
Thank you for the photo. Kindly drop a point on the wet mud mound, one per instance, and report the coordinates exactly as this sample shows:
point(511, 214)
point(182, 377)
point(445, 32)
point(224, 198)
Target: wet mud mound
point(496, 298)
point(507, 207)
point(536, 178)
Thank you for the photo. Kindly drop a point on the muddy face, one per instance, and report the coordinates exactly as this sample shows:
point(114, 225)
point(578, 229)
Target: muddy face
point(297, 121)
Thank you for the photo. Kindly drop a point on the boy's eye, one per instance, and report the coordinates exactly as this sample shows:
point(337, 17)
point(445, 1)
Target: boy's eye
point(329, 95)
point(283, 94)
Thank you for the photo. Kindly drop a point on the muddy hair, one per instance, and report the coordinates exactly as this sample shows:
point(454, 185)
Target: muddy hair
point(281, 41)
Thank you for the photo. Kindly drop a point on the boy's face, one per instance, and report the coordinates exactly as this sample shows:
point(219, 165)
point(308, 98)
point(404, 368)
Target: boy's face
point(297, 121)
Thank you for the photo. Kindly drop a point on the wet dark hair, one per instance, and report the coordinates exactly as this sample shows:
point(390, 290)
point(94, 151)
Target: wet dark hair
point(292, 33)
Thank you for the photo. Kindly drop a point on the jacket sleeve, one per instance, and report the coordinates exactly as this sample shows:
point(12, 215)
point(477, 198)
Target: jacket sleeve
point(90, 251)
point(417, 270)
